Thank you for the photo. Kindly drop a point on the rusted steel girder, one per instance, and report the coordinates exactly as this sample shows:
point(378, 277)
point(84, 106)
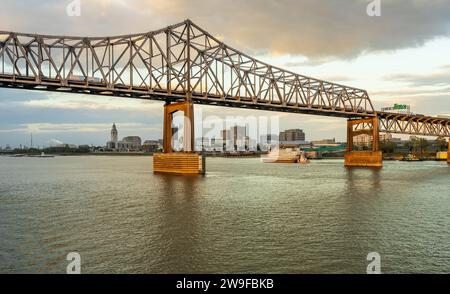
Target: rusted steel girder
point(182, 61)
point(414, 124)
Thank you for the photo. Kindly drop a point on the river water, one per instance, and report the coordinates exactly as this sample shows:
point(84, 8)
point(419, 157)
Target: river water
point(244, 216)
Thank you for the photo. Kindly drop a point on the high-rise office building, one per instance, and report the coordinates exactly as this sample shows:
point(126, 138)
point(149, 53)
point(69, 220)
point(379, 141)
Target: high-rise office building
point(292, 135)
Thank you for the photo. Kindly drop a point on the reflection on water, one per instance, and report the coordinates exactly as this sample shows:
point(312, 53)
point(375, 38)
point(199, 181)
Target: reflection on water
point(372, 177)
point(179, 207)
point(243, 216)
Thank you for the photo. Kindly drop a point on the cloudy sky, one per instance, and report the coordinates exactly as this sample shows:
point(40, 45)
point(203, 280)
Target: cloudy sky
point(401, 56)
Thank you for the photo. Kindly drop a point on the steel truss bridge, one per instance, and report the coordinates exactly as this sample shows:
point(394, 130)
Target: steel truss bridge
point(184, 62)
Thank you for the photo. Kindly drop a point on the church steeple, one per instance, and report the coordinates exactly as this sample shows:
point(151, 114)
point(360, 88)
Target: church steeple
point(114, 133)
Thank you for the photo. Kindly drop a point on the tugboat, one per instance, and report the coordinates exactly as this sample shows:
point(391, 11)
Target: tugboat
point(287, 155)
point(411, 157)
point(303, 159)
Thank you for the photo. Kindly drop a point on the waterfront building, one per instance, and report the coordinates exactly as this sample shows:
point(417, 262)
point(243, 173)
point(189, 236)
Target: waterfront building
point(292, 135)
point(130, 143)
point(385, 137)
point(151, 146)
point(293, 138)
point(325, 142)
point(235, 138)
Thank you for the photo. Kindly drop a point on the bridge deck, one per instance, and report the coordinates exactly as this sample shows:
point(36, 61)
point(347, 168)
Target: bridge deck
point(29, 83)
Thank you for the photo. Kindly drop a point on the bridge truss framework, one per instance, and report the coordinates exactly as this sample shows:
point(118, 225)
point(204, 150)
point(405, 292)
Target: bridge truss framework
point(181, 61)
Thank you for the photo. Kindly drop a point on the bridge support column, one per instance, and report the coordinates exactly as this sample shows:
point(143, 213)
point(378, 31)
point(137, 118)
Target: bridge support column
point(366, 158)
point(186, 161)
point(448, 152)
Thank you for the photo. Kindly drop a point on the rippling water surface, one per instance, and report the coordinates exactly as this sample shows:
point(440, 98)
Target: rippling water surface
point(242, 217)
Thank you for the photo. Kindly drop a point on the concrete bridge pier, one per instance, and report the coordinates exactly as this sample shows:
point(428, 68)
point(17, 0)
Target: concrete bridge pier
point(186, 161)
point(369, 158)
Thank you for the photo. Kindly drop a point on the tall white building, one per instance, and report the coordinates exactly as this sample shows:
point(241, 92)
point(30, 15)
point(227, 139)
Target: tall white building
point(114, 134)
point(112, 144)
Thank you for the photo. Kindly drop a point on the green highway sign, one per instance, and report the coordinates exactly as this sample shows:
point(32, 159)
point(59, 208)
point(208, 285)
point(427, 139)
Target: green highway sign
point(400, 106)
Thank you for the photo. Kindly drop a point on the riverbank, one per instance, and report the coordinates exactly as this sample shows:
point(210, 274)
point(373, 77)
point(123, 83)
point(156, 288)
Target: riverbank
point(207, 154)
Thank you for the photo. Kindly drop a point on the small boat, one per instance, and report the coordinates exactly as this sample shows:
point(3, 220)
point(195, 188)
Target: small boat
point(303, 159)
point(43, 155)
point(411, 157)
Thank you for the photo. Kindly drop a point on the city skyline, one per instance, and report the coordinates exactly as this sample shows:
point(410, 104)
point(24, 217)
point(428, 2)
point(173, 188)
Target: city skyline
point(282, 135)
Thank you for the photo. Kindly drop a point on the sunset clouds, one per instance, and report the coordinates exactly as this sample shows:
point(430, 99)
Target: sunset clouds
point(308, 27)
